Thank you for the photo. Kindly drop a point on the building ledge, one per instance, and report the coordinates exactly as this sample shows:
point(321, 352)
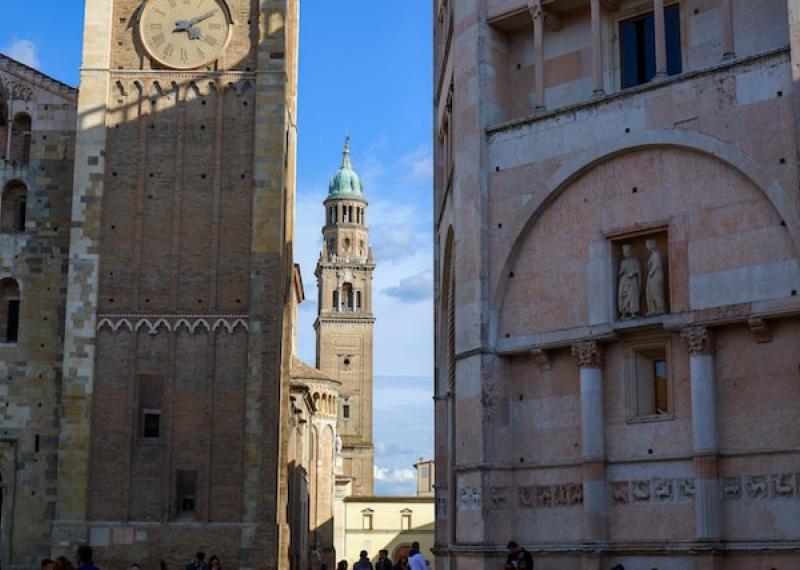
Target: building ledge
point(596, 101)
point(786, 307)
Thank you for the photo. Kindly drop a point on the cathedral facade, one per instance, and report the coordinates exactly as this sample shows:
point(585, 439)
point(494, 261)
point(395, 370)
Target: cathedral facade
point(617, 277)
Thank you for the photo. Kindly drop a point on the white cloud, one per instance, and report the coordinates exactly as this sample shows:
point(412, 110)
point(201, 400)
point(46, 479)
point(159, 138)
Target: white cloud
point(413, 289)
point(393, 475)
point(419, 164)
point(24, 51)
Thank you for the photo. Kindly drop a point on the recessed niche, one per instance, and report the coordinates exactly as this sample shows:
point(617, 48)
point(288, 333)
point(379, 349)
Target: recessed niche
point(641, 274)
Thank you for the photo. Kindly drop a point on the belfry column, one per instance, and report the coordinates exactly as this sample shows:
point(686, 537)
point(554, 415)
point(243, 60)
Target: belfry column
point(537, 13)
point(595, 489)
point(661, 38)
point(597, 48)
point(700, 343)
point(728, 51)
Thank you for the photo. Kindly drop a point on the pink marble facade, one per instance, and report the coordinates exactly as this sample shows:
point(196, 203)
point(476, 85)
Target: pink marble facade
point(540, 434)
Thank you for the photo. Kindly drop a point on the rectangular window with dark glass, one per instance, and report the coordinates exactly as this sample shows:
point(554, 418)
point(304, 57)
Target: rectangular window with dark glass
point(638, 46)
point(12, 328)
point(152, 424)
point(186, 491)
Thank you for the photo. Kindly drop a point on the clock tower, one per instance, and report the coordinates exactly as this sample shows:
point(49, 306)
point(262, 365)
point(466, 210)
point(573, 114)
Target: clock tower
point(178, 322)
point(345, 322)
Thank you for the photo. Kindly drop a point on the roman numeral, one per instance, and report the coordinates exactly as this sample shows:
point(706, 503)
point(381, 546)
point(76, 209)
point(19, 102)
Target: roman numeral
point(158, 39)
point(169, 50)
point(215, 26)
point(201, 53)
point(157, 26)
point(211, 40)
point(172, 3)
point(184, 55)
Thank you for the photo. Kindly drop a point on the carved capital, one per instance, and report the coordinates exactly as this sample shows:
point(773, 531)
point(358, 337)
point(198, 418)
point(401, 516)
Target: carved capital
point(699, 340)
point(589, 354)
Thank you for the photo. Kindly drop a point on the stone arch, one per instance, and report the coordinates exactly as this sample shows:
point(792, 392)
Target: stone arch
point(13, 207)
point(20, 145)
point(583, 162)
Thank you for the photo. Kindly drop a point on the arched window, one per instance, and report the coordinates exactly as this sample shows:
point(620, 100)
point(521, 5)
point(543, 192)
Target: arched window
point(21, 139)
point(347, 296)
point(9, 311)
point(12, 207)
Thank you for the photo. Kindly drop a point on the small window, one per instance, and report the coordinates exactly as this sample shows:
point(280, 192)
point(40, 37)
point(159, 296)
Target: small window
point(9, 311)
point(13, 208)
point(649, 382)
point(366, 521)
point(152, 424)
point(346, 411)
point(358, 299)
point(336, 300)
point(638, 47)
point(405, 521)
point(186, 491)
point(21, 139)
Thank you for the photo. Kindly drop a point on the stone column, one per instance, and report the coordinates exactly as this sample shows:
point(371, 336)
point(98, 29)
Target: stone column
point(700, 343)
point(537, 13)
point(597, 49)
point(595, 489)
point(727, 30)
point(661, 39)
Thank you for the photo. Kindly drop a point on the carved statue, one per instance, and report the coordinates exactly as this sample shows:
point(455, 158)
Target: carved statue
point(630, 284)
point(338, 445)
point(655, 280)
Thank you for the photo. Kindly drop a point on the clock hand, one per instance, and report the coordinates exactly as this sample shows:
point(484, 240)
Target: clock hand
point(199, 19)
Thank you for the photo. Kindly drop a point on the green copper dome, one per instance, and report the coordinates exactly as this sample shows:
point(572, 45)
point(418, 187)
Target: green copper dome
point(346, 183)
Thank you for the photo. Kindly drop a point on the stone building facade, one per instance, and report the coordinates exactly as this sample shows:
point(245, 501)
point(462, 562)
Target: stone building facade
point(37, 140)
point(617, 246)
point(345, 321)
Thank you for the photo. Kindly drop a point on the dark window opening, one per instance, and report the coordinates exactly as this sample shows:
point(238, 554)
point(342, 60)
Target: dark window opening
point(638, 46)
point(186, 491)
point(346, 411)
point(9, 311)
point(152, 425)
point(13, 208)
point(12, 331)
point(21, 139)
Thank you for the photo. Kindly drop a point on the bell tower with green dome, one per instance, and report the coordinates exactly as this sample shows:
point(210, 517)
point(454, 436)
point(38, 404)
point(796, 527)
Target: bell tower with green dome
point(345, 320)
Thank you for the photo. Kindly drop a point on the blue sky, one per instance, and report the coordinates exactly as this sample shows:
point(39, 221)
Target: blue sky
point(365, 69)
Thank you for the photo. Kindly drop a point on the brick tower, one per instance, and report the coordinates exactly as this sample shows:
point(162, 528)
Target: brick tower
point(176, 356)
point(345, 322)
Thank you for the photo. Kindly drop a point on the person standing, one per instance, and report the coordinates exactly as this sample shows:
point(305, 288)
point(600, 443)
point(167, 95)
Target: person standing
point(416, 561)
point(47, 564)
point(63, 563)
point(383, 562)
point(84, 558)
point(199, 562)
point(214, 563)
point(518, 558)
point(363, 562)
point(342, 565)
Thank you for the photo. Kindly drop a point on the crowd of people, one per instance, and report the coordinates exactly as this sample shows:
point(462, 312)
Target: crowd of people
point(414, 561)
point(84, 561)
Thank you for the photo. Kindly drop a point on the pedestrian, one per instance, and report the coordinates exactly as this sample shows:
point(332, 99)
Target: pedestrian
point(84, 557)
point(416, 561)
point(383, 562)
point(199, 562)
point(518, 558)
point(214, 563)
point(363, 562)
point(47, 564)
point(135, 566)
point(402, 563)
point(63, 563)
point(342, 565)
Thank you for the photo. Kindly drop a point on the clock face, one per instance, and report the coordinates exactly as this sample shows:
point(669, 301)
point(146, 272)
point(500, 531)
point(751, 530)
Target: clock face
point(184, 34)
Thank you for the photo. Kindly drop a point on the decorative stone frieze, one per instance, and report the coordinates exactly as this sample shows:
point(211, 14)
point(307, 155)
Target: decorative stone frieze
point(550, 496)
point(699, 340)
point(589, 354)
point(153, 324)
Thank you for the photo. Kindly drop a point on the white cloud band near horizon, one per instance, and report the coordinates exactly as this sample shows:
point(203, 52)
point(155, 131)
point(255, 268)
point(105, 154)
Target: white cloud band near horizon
point(24, 51)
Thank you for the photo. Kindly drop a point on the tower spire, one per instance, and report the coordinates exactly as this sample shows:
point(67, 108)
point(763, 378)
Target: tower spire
point(346, 153)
